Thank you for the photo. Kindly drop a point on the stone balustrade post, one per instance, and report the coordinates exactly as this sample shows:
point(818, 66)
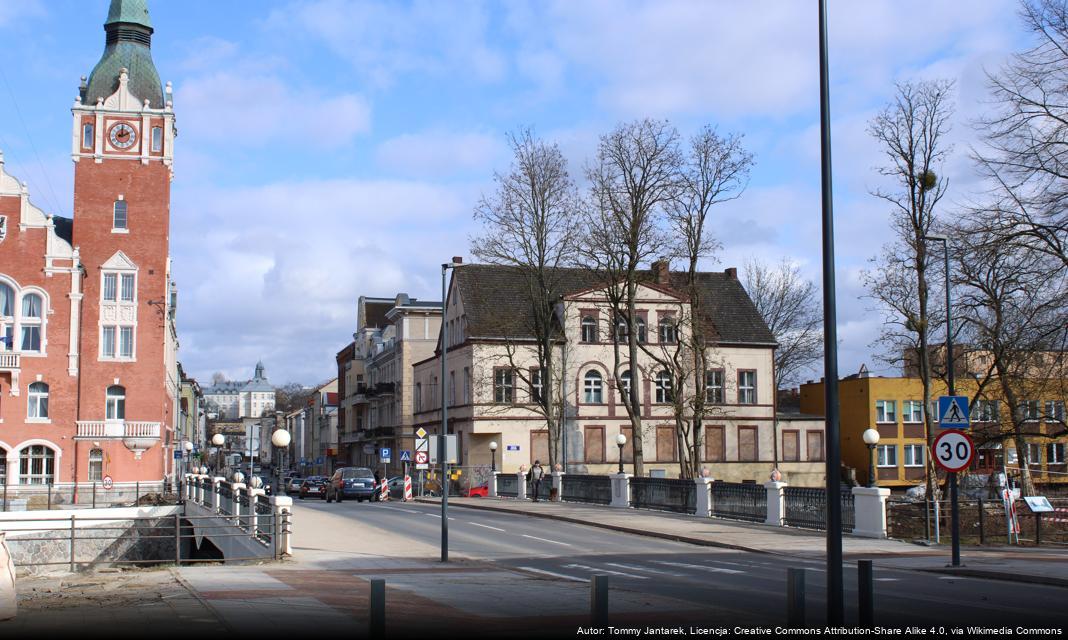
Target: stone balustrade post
point(252, 518)
point(237, 488)
point(217, 502)
point(283, 511)
point(704, 496)
point(869, 505)
point(521, 491)
point(492, 493)
point(558, 485)
point(187, 488)
point(776, 503)
point(620, 490)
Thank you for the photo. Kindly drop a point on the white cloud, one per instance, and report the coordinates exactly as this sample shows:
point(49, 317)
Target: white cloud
point(227, 108)
point(439, 153)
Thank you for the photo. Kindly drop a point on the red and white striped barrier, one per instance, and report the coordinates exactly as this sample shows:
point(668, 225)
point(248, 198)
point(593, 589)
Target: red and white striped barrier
point(383, 491)
point(407, 488)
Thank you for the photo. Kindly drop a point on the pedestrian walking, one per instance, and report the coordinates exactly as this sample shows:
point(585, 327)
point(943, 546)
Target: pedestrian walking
point(376, 496)
point(534, 478)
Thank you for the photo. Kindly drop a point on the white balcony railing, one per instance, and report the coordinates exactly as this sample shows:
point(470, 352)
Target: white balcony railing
point(9, 361)
point(117, 429)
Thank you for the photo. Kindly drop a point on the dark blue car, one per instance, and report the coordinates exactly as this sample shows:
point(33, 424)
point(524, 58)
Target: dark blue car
point(351, 482)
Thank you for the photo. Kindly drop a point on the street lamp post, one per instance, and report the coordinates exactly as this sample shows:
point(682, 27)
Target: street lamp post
point(621, 441)
point(871, 438)
point(493, 456)
point(187, 447)
point(218, 440)
point(442, 446)
point(280, 439)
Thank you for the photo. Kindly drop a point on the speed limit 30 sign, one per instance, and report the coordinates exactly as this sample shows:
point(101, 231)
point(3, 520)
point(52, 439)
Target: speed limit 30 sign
point(953, 450)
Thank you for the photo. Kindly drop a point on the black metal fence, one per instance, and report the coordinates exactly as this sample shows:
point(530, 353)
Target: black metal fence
point(543, 487)
point(664, 494)
point(87, 495)
point(264, 518)
point(739, 501)
point(587, 488)
point(507, 485)
point(806, 508)
point(226, 498)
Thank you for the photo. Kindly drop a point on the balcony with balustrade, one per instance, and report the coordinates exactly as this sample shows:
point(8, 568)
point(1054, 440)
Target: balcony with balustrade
point(138, 436)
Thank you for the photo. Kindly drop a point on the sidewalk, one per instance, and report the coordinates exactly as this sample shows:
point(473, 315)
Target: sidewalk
point(1040, 566)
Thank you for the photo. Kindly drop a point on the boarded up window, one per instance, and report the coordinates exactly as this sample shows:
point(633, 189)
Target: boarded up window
point(791, 446)
point(665, 444)
point(814, 442)
point(628, 449)
point(747, 444)
point(539, 446)
point(594, 445)
point(715, 444)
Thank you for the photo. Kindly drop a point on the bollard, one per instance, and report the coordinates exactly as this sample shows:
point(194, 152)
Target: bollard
point(378, 608)
point(866, 593)
point(795, 597)
point(599, 602)
point(1038, 529)
point(981, 513)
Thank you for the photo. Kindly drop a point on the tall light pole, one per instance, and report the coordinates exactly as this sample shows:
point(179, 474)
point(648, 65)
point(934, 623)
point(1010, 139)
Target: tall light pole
point(621, 441)
point(950, 382)
point(444, 432)
point(871, 438)
point(835, 592)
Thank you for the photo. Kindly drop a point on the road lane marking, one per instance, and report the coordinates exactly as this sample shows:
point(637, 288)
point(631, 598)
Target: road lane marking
point(696, 566)
point(486, 526)
point(545, 540)
point(645, 569)
point(553, 574)
point(434, 515)
point(608, 571)
point(888, 579)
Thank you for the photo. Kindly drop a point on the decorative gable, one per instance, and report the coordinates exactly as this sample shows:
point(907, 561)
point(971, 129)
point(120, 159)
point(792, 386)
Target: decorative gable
point(119, 262)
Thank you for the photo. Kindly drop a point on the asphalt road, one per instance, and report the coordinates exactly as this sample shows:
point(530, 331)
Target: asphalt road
point(735, 586)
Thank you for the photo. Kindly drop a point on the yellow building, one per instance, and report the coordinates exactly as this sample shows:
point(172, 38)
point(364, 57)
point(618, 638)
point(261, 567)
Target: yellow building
point(894, 407)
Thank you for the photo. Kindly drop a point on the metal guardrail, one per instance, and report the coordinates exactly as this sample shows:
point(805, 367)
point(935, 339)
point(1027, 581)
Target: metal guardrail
point(806, 508)
point(168, 534)
point(508, 485)
point(264, 514)
point(664, 494)
point(48, 497)
point(739, 501)
point(586, 488)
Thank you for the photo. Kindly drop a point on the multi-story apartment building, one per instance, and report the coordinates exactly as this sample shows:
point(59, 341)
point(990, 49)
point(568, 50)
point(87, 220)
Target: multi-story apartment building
point(88, 345)
point(392, 334)
point(321, 432)
point(894, 407)
point(489, 355)
point(233, 400)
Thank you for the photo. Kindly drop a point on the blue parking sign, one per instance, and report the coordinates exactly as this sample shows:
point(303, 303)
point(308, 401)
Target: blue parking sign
point(384, 454)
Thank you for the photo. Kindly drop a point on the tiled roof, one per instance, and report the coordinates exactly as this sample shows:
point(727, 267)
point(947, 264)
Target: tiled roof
point(491, 296)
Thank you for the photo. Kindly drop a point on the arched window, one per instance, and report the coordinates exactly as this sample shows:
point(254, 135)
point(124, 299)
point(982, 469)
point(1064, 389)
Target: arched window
point(668, 332)
point(624, 380)
point(37, 401)
point(96, 465)
point(37, 465)
point(593, 387)
point(589, 329)
point(664, 393)
point(116, 403)
point(642, 337)
point(120, 218)
point(31, 322)
point(7, 301)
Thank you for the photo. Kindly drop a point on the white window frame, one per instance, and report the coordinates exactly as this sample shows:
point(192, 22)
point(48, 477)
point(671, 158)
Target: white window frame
point(115, 404)
point(747, 390)
point(881, 414)
point(96, 465)
point(1034, 448)
point(1054, 411)
point(88, 135)
point(882, 457)
point(157, 139)
point(1055, 453)
point(109, 287)
point(908, 411)
point(35, 400)
point(986, 411)
point(18, 325)
point(911, 451)
point(664, 388)
point(125, 227)
point(643, 330)
point(715, 386)
point(467, 385)
point(1029, 410)
point(588, 330)
point(503, 386)
point(537, 386)
point(47, 471)
point(624, 380)
point(667, 330)
point(593, 387)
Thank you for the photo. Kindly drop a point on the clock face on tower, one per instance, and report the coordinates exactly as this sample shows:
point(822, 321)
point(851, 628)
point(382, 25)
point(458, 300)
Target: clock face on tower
point(122, 136)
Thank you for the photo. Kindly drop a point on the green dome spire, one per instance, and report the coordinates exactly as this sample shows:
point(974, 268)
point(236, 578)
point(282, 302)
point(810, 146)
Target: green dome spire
point(127, 46)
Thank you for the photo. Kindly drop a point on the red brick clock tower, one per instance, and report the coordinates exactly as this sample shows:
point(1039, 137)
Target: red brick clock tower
point(122, 146)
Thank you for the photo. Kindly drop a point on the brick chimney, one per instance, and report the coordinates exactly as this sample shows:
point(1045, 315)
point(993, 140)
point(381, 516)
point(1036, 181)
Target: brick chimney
point(731, 272)
point(662, 271)
point(457, 260)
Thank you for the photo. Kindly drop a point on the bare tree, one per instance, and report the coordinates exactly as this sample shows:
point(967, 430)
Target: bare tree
point(1014, 310)
point(633, 179)
point(911, 132)
point(529, 225)
point(790, 306)
point(1025, 153)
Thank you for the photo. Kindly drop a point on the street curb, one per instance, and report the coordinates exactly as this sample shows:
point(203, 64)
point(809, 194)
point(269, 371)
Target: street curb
point(965, 572)
point(611, 527)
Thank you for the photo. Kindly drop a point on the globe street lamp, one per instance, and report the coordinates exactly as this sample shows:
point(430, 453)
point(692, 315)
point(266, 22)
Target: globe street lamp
point(218, 440)
point(621, 440)
point(871, 438)
point(493, 456)
point(280, 439)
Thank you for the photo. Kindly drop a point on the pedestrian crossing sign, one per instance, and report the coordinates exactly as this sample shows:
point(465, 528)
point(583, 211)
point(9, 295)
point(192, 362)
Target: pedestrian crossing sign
point(953, 412)
point(406, 456)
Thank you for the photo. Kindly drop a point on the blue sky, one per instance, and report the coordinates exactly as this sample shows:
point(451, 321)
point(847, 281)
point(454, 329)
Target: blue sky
point(333, 148)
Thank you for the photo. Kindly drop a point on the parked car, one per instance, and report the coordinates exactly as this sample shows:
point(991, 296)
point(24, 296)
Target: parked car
point(313, 486)
point(351, 482)
point(396, 488)
point(478, 492)
point(293, 483)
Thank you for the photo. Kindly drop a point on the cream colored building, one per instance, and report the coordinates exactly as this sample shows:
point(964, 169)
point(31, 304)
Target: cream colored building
point(490, 379)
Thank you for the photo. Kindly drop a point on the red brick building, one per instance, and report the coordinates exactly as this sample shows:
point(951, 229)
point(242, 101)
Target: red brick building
point(88, 371)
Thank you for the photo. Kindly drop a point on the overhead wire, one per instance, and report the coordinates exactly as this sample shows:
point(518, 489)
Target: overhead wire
point(51, 193)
